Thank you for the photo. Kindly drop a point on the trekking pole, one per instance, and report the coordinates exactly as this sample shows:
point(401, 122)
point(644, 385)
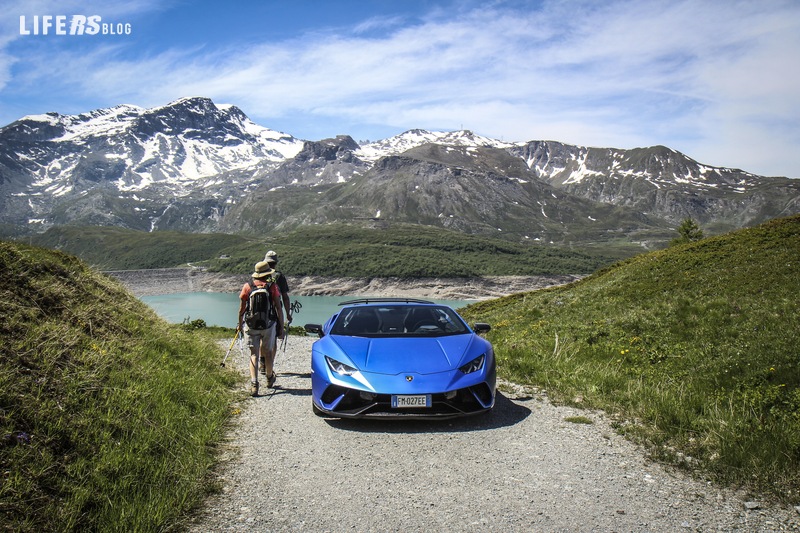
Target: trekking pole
point(283, 341)
point(241, 347)
point(235, 337)
point(295, 307)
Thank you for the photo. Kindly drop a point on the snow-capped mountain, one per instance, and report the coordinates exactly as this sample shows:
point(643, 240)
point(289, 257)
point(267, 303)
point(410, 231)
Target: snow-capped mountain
point(178, 144)
point(398, 144)
point(193, 165)
point(662, 182)
point(52, 165)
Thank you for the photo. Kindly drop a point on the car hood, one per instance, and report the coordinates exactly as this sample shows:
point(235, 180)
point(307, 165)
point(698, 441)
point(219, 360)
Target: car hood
point(393, 356)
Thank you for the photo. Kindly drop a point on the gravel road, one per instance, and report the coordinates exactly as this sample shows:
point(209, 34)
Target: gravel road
point(523, 467)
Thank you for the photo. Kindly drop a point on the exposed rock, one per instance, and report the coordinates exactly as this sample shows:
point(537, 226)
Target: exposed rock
point(179, 280)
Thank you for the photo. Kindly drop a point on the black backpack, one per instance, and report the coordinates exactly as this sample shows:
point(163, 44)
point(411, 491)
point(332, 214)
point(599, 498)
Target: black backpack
point(258, 314)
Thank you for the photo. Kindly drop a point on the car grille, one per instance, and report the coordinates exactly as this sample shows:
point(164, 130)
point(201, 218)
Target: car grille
point(353, 405)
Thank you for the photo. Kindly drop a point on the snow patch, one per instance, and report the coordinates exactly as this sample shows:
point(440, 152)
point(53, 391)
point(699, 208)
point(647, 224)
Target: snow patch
point(398, 144)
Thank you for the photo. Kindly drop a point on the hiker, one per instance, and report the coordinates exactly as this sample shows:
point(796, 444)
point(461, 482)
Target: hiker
point(280, 280)
point(258, 298)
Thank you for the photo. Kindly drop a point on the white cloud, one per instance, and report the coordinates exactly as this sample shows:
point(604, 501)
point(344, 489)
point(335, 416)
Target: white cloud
point(703, 77)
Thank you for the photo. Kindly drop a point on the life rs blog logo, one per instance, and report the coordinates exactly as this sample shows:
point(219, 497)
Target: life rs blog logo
point(70, 25)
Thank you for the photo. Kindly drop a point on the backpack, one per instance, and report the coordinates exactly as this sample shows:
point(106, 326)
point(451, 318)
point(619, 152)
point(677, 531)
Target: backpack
point(276, 277)
point(259, 313)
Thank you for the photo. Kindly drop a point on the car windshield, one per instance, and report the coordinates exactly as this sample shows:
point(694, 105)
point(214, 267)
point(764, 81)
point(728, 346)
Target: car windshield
point(398, 321)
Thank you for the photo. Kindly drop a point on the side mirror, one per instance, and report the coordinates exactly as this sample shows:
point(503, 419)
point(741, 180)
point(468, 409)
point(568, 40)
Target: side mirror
point(481, 327)
point(315, 328)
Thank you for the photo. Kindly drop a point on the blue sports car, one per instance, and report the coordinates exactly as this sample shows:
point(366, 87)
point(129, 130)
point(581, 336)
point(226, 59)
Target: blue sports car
point(389, 358)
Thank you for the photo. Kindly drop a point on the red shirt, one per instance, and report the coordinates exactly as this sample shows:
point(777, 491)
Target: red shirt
point(245, 293)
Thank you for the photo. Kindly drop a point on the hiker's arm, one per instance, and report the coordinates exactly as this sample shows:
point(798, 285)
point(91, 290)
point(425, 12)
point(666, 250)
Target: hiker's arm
point(283, 285)
point(287, 307)
point(276, 301)
point(242, 307)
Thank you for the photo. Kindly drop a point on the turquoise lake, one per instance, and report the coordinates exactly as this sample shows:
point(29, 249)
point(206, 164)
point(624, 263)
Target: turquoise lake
point(220, 309)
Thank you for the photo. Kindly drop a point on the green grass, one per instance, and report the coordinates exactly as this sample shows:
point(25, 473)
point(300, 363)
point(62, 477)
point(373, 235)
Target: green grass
point(108, 415)
point(694, 349)
point(115, 248)
point(413, 251)
point(578, 420)
point(337, 250)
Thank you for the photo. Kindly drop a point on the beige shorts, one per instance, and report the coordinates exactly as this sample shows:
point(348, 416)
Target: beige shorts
point(260, 338)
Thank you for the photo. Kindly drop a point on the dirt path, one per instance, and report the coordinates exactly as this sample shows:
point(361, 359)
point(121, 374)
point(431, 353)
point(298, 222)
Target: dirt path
point(524, 467)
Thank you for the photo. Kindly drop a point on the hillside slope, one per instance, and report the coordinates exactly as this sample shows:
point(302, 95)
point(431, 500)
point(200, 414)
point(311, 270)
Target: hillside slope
point(694, 348)
point(196, 166)
point(386, 250)
point(100, 402)
point(115, 248)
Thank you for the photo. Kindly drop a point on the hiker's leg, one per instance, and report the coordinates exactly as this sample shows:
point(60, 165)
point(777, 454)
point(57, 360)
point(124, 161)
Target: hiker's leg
point(272, 350)
point(262, 357)
point(267, 342)
point(254, 341)
point(273, 345)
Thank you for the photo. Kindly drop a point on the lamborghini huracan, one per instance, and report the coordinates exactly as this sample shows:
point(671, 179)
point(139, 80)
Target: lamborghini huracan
point(393, 358)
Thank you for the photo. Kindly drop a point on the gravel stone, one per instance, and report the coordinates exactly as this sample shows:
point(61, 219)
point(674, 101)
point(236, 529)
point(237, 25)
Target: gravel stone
point(522, 467)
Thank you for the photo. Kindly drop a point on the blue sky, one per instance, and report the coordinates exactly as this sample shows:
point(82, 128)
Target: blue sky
point(718, 80)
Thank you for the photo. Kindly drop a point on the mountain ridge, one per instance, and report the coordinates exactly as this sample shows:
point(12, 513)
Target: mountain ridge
point(193, 165)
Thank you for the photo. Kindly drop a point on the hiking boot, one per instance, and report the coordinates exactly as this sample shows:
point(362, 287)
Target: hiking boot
point(254, 388)
point(271, 380)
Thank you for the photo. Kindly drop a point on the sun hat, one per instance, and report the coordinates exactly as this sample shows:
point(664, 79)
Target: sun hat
point(271, 257)
point(262, 270)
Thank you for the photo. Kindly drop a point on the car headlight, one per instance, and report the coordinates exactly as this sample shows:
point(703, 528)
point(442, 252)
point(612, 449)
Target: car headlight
point(474, 365)
point(340, 368)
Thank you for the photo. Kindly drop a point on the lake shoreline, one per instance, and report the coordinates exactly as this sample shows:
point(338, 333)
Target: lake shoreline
point(161, 281)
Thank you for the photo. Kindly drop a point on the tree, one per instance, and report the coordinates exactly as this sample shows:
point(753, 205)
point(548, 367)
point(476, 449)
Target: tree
point(688, 231)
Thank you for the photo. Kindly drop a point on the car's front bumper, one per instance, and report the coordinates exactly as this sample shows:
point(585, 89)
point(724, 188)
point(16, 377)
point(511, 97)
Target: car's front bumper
point(339, 398)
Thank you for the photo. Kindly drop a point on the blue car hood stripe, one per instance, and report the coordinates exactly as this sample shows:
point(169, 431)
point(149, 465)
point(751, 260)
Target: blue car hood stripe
point(393, 355)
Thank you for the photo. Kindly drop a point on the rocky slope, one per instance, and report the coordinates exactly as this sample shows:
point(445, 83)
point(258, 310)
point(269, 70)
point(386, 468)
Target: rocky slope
point(179, 280)
point(196, 166)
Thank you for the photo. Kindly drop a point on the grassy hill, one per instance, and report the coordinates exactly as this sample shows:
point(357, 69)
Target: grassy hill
point(392, 250)
point(409, 251)
point(695, 349)
point(108, 415)
point(114, 248)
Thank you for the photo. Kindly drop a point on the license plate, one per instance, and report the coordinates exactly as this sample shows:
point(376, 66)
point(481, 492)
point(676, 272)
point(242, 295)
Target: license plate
point(400, 401)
